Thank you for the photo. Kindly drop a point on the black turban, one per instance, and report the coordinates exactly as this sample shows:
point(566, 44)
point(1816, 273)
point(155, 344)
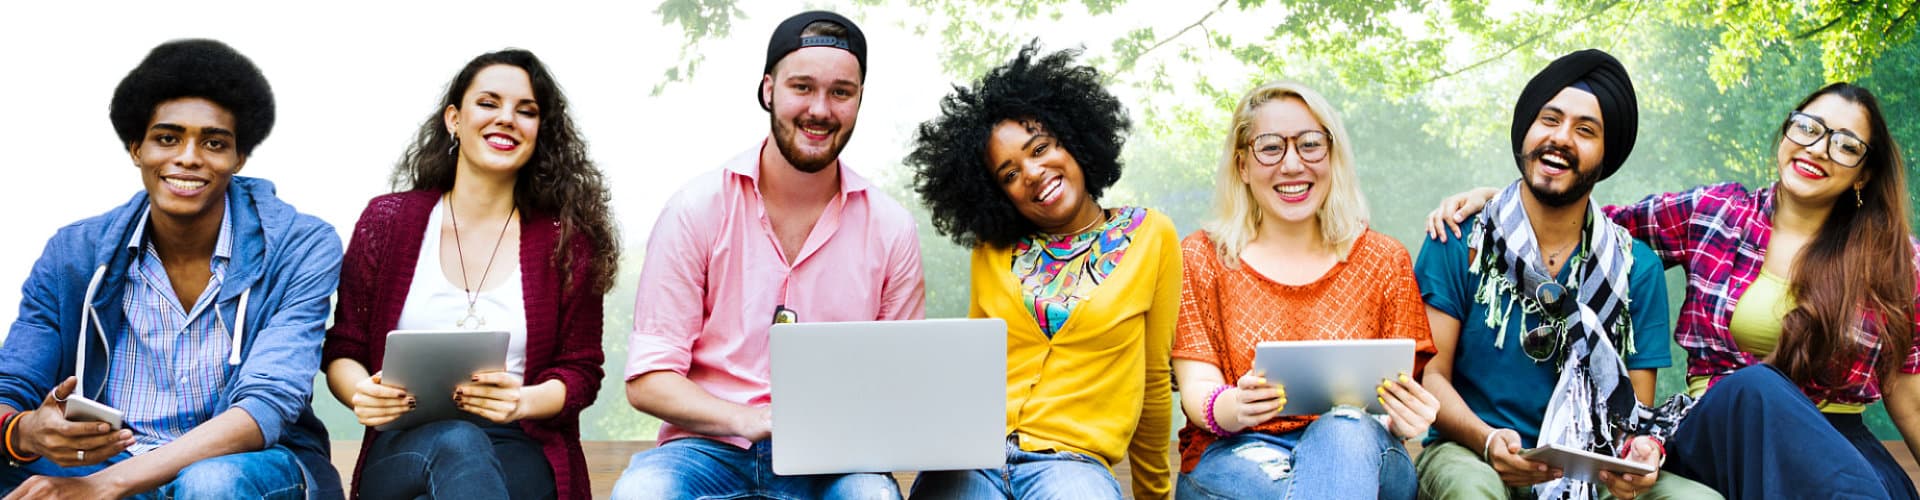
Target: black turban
point(1595, 72)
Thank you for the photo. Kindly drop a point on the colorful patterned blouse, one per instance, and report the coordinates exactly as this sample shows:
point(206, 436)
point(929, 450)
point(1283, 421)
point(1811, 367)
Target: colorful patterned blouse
point(1058, 271)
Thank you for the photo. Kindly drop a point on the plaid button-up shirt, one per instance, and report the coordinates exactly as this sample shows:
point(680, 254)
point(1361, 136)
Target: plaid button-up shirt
point(1720, 233)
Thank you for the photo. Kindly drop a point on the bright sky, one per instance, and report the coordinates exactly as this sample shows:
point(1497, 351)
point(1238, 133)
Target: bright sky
point(353, 80)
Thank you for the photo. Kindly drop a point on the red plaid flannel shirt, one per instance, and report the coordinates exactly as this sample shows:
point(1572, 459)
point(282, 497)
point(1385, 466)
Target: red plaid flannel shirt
point(1720, 233)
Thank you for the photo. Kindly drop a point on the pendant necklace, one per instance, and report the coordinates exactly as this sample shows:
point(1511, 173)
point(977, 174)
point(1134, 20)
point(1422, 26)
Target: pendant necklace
point(473, 321)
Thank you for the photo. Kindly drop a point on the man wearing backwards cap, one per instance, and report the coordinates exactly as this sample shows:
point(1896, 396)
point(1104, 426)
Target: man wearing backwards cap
point(1550, 321)
point(783, 232)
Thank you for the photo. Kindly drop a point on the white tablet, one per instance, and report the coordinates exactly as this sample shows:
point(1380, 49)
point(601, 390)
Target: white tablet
point(1582, 464)
point(430, 363)
point(1320, 374)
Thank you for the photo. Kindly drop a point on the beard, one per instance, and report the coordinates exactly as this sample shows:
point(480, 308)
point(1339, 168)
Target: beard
point(784, 133)
point(1583, 180)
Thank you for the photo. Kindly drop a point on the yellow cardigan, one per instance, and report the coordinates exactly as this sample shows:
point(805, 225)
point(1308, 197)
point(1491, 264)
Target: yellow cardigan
point(1102, 385)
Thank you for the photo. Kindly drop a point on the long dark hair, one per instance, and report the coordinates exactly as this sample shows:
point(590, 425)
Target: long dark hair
point(559, 179)
point(1859, 267)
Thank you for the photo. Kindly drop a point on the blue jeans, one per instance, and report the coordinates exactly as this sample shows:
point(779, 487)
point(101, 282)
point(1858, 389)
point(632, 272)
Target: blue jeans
point(1755, 435)
point(694, 468)
point(456, 459)
point(270, 473)
point(1343, 454)
point(1027, 475)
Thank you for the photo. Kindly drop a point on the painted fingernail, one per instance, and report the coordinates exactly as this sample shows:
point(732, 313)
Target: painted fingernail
point(1383, 401)
point(1403, 378)
point(1382, 391)
point(475, 378)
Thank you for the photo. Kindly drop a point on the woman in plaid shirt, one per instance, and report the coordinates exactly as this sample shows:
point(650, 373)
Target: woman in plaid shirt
point(1798, 345)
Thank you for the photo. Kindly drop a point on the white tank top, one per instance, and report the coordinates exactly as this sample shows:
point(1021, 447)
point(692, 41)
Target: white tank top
point(433, 303)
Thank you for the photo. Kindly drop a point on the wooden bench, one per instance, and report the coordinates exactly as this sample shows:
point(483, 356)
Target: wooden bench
point(606, 459)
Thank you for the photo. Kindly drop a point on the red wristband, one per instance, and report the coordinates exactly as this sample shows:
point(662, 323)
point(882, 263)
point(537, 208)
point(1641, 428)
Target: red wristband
point(1627, 448)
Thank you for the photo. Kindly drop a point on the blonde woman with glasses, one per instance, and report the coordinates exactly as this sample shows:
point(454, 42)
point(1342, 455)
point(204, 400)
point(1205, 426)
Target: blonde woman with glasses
point(1288, 256)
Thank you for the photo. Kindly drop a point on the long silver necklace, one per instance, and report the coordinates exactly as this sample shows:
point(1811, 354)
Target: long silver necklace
point(473, 320)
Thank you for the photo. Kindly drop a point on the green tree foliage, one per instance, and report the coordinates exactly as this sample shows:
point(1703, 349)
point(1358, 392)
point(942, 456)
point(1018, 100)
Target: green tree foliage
point(1425, 86)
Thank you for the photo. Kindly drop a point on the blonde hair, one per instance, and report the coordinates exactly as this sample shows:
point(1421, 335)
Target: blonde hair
point(1236, 216)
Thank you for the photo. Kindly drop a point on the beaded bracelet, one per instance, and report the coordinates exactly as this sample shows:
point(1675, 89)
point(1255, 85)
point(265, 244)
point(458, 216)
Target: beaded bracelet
point(1214, 425)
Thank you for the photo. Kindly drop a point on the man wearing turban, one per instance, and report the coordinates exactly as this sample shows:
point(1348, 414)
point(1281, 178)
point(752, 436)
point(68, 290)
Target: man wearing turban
point(1550, 320)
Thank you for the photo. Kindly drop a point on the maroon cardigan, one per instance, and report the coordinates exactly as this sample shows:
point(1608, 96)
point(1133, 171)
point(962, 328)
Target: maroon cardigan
point(563, 325)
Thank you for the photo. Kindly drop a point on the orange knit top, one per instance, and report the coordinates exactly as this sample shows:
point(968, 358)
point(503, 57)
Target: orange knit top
point(1225, 312)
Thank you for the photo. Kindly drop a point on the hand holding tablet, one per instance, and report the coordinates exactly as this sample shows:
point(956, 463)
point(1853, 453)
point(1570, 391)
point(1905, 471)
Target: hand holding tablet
point(1582, 464)
point(430, 364)
point(492, 395)
point(1251, 400)
point(375, 403)
point(1321, 374)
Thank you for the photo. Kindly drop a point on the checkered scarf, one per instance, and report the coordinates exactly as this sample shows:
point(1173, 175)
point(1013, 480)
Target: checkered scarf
point(1593, 388)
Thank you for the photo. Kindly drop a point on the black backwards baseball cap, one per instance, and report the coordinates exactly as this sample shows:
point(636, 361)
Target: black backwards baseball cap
point(786, 39)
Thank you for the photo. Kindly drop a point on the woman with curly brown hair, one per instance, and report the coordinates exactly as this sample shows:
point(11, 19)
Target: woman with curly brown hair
point(1014, 168)
point(498, 167)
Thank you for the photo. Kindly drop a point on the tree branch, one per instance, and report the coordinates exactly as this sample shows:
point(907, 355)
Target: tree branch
point(1200, 23)
point(1510, 49)
point(1824, 27)
point(1911, 6)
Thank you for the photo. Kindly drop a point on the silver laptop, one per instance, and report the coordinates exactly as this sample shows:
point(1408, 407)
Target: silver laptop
point(1319, 374)
point(885, 396)
point(430, 363)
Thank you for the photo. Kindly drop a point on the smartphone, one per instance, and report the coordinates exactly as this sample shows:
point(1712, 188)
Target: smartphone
point(1582, 464)
point(81, 409)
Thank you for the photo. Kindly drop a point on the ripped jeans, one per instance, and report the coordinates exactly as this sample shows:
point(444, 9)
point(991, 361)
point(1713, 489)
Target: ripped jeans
point(1343, 454)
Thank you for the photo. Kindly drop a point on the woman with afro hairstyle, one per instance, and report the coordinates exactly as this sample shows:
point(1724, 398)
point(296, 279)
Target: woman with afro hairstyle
point(1013, 168)
point(1288, 257)
point(496, 167)
point(197, 309)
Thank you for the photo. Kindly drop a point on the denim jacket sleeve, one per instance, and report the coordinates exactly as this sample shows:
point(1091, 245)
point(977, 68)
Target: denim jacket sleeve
point(275, 380)
point(34, 356)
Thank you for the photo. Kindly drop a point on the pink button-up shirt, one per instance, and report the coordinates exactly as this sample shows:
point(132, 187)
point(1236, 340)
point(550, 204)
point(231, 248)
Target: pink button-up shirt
point(714, 273)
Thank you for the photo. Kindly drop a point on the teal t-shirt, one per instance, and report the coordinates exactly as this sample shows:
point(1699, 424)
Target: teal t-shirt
point(1503, 386)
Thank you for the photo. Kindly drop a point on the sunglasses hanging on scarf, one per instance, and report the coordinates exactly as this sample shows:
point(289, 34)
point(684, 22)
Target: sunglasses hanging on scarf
point(1545, 342)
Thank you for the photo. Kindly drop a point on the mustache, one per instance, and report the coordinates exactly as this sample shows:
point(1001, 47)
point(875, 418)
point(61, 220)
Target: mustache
point(830, 125)
point(1573, 160)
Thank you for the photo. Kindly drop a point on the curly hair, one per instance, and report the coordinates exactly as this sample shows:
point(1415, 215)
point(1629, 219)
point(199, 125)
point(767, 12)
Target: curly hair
point(200, 68)
point(559, 179)
point(950, 151)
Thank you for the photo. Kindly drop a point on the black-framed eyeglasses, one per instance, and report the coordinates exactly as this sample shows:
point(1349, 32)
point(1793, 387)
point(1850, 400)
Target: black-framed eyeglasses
point(1843, 147)
point(1270, 149)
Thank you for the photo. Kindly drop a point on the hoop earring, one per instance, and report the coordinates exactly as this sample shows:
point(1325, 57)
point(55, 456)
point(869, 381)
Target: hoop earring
point(1858, 201)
